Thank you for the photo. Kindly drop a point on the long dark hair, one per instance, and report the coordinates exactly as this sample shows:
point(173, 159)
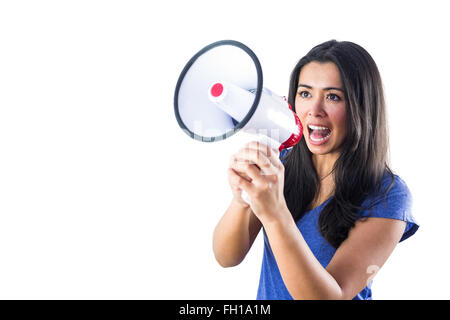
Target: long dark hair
point(363, 160)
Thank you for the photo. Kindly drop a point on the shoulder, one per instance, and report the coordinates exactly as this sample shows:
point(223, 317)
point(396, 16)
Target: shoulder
point(392, 188)
point(393, 200)
point(392, 191)
point(394, 185)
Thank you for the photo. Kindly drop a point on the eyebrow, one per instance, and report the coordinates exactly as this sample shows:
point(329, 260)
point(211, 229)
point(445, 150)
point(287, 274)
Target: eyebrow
point(327, 88)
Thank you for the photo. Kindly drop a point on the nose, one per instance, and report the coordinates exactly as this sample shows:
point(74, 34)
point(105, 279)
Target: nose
point(316, 108)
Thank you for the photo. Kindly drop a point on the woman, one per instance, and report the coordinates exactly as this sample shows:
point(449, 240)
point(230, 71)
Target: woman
point(332, 212)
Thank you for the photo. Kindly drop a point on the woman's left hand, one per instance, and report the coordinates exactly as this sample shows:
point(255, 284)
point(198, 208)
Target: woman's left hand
point(263, 166)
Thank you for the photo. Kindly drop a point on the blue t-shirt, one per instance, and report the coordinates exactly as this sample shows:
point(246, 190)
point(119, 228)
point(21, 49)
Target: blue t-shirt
point(396, 205)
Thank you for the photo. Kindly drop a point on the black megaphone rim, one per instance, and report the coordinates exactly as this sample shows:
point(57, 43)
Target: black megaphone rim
point(252, 110)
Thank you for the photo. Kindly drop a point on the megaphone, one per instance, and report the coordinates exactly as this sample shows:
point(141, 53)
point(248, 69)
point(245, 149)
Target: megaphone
point(220, 92)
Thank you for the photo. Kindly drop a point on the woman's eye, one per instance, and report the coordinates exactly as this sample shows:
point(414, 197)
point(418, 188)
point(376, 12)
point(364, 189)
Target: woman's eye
point(333, 97)
point(304, 94)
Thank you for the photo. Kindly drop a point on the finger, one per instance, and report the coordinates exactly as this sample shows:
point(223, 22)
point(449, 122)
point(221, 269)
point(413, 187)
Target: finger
point(239, 168)
point(256, 157)
point(243, 184)
point(263, 147)
point(249, 170)
point(237, 181)
point(272, 154)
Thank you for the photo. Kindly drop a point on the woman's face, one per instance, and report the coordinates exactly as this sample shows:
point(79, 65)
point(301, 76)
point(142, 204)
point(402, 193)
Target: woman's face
point(320, 105)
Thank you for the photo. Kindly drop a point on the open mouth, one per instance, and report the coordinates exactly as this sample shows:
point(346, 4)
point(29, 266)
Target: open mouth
point(318, 133)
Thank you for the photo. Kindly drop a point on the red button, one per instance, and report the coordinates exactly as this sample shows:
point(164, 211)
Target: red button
point(217, 90)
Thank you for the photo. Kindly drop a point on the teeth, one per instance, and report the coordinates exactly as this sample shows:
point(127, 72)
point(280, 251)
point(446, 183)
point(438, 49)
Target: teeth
point(312, 127)
point(321, 139)
point(317, 127)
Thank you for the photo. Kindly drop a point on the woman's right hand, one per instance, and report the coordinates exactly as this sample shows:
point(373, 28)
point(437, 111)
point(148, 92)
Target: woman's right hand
point(238, 227)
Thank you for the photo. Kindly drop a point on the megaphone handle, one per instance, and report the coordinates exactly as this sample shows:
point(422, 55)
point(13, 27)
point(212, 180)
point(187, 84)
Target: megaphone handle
point(245, 197)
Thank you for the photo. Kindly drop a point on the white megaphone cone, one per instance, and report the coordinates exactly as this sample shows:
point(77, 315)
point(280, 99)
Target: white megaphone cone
point(220, 92)
point(273, 120)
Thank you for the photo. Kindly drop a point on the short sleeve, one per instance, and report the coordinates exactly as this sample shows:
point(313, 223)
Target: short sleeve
point(395, 204)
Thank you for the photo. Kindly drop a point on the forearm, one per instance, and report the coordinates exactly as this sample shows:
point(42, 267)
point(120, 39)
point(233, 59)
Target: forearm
point(234, 235)
point(302, 273)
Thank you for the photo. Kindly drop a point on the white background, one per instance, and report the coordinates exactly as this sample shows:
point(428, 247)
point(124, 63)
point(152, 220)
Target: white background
point(103, 196)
